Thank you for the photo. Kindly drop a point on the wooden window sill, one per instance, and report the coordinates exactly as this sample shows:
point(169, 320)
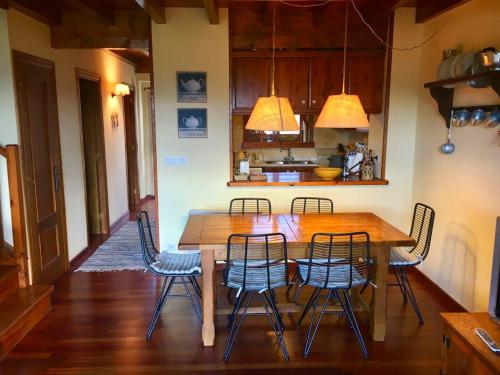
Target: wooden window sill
point(304, 179)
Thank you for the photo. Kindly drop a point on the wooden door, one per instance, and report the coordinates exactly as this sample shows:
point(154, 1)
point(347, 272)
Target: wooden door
point(292, 81)
point(131, 150)
point(42, 172)
point(366, 79)
point(326, 79)
point(96, 191)
point(251, 79)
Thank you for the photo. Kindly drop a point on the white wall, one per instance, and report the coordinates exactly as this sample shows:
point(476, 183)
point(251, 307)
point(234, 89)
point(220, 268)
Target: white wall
point(30, 36)
point(462, 187)
point(188, 42)
point(8, 128)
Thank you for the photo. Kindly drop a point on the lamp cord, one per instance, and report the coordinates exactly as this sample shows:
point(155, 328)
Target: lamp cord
point(362, 18)
point(345, 46)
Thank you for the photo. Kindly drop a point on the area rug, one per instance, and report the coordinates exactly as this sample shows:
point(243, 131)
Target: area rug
point(121, 252)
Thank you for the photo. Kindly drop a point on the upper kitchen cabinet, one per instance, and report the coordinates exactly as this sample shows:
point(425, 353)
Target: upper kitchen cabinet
point(251, 79)
point(326, 80)
point(366, 79)
point(292, 81)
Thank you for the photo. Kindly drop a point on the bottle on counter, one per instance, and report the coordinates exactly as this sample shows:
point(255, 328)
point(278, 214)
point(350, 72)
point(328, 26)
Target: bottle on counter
point(367, 166)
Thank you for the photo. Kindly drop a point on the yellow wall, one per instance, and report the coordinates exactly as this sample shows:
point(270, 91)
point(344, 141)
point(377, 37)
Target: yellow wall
point(188, 42)
point(30, 36)
point(463, 187)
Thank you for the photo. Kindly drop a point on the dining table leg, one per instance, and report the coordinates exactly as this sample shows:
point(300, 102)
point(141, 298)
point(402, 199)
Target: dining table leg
point(379, 297)
point(208, 269)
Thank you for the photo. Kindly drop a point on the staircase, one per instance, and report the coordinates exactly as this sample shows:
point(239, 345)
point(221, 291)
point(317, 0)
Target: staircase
point(20, 308)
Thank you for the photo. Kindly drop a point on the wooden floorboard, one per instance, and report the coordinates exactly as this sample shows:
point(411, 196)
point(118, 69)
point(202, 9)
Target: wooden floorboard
point(99, 320)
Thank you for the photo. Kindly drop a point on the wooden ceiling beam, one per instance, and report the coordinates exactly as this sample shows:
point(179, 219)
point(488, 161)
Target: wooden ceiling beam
point(154, 8)
point(95, 8)
point(428, 9)
point(80, 31)
point(212, 11)
point(45, 12)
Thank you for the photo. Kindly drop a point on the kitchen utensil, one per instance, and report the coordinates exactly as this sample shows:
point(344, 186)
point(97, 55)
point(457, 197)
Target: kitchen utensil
point(478, 68)
point(490, 58)
point(460, 118)
point(327, 174)
point(448, 147)
point(477, 117)
point(493, 119)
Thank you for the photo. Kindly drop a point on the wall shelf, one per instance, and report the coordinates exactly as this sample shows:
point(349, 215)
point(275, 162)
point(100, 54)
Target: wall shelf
point(444, 95)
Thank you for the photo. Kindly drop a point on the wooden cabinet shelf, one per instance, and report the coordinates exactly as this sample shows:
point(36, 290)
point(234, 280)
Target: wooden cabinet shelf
point(444, 95)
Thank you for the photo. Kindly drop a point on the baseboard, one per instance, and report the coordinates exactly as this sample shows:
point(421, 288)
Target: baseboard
point(82, 256)
point(118, 223)
point(458, 306)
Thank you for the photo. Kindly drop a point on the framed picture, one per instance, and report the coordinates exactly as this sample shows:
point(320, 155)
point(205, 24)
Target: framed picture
point(192, 122)
point(191, 87)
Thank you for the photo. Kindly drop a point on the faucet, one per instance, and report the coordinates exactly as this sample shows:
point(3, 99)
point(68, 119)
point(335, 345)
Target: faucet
point(288, 159)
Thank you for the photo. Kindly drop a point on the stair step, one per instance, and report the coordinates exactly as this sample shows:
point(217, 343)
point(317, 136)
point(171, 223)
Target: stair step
point(9, 281)
point(21, 311)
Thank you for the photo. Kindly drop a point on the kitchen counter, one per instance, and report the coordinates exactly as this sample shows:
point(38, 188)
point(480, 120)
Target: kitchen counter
point(304, 179)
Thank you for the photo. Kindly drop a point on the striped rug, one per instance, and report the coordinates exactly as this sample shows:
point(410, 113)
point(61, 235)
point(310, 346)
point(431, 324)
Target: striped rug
point(121, 252)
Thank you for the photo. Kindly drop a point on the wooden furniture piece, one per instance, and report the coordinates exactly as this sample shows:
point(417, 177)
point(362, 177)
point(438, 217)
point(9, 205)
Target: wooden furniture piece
point(443, 94)
point(209, 234)
point(307, 78)
point(464, 353)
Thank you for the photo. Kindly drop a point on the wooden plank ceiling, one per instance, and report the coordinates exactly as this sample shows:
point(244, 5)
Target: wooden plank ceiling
point(124, 24)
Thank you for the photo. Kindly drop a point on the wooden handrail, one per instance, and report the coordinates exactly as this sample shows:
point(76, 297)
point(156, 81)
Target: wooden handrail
point(11, 153)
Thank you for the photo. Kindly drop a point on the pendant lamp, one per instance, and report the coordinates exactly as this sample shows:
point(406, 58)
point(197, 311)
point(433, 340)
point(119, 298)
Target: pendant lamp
point(343, 111)
point(272, 113)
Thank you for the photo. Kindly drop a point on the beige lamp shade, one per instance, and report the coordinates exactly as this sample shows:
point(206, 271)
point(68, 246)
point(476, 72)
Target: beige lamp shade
point(342, 111)
point(272, 114)
point(121, 89)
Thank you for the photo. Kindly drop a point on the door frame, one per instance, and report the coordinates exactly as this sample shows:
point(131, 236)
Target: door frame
point(132, 205)
point(25, 164)
point(103, 176)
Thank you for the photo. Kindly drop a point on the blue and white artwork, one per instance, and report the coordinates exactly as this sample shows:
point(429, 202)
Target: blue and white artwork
point(192, 122)
point(191, 87)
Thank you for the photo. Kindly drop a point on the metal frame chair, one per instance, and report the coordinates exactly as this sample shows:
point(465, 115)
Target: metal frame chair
point(401, 258)
point(250, 206)
point(256, 265)
point(311, 205)
point(172, 266)
point(307, 205)
point(337, 262)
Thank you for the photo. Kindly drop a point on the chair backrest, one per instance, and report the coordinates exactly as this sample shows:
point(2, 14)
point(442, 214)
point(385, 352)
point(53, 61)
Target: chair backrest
point(149, 251)
point(311, 205)
point(250, 252)
point(339, 259)
point(421, 229)
point(250, 206)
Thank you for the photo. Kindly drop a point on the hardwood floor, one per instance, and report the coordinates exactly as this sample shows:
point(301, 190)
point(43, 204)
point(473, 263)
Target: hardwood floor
point(99, 320)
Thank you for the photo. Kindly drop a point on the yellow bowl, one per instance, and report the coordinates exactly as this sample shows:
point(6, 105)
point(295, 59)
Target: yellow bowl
point(327, 174)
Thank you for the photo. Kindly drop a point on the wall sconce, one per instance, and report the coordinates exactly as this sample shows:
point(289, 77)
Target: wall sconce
point(121, 89)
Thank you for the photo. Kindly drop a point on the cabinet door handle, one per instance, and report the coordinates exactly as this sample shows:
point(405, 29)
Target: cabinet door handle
point(303, 102)
point(313, 101)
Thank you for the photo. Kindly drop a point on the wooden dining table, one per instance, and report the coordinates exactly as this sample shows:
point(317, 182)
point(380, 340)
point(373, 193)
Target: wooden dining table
point(209, 232)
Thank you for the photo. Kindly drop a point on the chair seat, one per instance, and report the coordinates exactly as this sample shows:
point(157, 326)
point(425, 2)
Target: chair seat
point(337, 279)
point(177, 264)
point(401, 256)
point(256, 276)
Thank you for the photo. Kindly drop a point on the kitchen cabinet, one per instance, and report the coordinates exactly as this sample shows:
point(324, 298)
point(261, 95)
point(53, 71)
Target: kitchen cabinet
point(251, 79)
point(326, 80)
point(292, 81)
point(366, 79)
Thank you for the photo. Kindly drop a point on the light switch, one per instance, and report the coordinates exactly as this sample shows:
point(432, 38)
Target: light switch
point(175, 160)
